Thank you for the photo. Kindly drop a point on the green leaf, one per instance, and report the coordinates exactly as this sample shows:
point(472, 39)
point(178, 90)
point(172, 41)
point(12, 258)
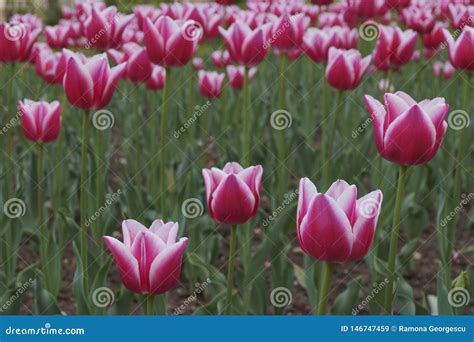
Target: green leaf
point(347, 300)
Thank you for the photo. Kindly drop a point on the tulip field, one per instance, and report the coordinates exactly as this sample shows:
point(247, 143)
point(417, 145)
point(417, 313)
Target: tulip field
point(259, 157)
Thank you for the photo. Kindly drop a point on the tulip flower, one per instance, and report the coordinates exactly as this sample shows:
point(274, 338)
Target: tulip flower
point(148, 260)
point(156, 81)
point(287, 31)
point(233, 193)
point(197, 63)
point(210, 83)
point(138, 66)
point(335, 226)
point(16, 41)
point(345, 68)
point(444, 70)
point(460, 15)
point(407, 132)
point(422, 20)
point(58, 36)
point(366, 9)
point(91, 84)
point(433, 39)
point(170, 43)
point(235, 74)
point(41, 121)
point(316, 44)
point(233, 196)
point(246, 46)
point(46, 66)
point(220, 59)
point(394, 48)
point(104, 27)
point(461, 53)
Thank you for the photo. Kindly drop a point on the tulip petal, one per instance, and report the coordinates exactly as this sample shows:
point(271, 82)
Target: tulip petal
point(378, 115)
point(130, 230)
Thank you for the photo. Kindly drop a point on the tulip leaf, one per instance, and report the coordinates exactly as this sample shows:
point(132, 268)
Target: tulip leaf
point(347, 300)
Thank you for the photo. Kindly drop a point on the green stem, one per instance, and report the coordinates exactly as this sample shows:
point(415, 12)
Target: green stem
point(192, 132)
point(332, 137)
point(324, 136)
point(163, 157)
point(150, 305)
point(83, 199)
point(451, 234)
point(324, 288)
point(281, 146)
point(394, 240)
point(246, 121)
point(230, 269)
point(43, 237)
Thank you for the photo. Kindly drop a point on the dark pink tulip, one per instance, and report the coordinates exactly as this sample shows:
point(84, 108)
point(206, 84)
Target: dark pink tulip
point(336, 226)
point(197, 63)
point(210, 83)
point(104, 27)
point(433, 39)
point(220, 59)
point(328, 19)
point(16, 41)
point(246, 46)
point(46, 66)
point(90, 84)
point(145, 11)
point(41, 121)
point(366, 9)
point(345, 68)
point(422, 20)
point(156, 81)
point(235, 74)
point(171, 43)
point(287, 31)
point(138, 67)
point(316, 44)
point(394, 48)
point(233, 193)
point(446, 70)
point(58, 36)
point(321, 2)
point(407, 132)
point(149, 260)
point(461, 52)
point(398, 4)
point(461, 15)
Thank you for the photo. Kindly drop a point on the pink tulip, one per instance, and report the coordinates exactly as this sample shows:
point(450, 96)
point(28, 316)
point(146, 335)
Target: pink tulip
point(407, 132)
point(16, 41)
point(91, 84)
point(433, 39)
point(246, 46)
point(233, 193)
point(446, 70)
point(171, 43)
point(366, 9)
point(104, 27)
point(220, 59)
point(461, 15)
point(235, 74)
point(149, 260)
point(41, 121)
point(422, 20)
point(316, 44)
point(321, 2)
point(336, 226)
point(461, 52)
point(138, 65)
point(345, 68)
point(398, 4)
point(394, 48)
point(156, 81)
point(197, 63)
point(287, 31)
point(50, 66)
point(58, 36)
point(210, 83)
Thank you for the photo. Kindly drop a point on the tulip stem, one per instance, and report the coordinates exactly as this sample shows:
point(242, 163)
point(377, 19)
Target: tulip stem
point(324, 288)
point(245, 120)
point(43, 238)
point(150, 305)
point(324, 135)
point(394, 240)
point(281, 150)
point(83, 199)
point(162, 147)
point(230, 269)
point(451, 234)
point(333, 125)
